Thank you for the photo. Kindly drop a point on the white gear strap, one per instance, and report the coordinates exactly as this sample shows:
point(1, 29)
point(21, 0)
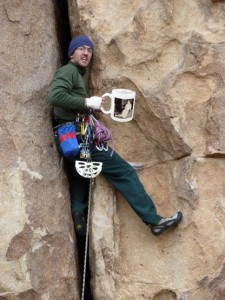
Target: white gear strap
point(88, 169)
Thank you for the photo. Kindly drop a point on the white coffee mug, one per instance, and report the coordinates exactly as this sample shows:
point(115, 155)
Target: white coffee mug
point(122, 105)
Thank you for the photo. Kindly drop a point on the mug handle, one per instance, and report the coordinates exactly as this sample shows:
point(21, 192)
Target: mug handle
point(102, 109)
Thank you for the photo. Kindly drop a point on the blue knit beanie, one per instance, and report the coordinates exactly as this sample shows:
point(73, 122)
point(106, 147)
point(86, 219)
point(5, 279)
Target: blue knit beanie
point(78, 41)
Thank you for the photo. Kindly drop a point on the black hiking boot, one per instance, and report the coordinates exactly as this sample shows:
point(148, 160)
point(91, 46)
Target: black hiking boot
point(166, 223)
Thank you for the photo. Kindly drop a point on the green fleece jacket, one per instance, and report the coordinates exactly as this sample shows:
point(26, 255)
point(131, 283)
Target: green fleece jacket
point(67, 92)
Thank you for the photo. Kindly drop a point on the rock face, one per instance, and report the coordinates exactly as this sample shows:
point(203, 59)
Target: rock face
point(37, 244)
point(171, 53)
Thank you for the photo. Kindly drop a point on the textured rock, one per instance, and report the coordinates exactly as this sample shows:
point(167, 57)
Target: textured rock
point(37, 245)
point(172, 54)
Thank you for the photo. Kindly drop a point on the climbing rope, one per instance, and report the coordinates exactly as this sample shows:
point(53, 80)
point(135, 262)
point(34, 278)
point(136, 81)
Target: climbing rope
point(86, 240)
point(102, 134)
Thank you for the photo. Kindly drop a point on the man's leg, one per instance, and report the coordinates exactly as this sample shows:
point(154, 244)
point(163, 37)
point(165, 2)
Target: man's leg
point(79, 192)
point(124, 178)
point(79, 188)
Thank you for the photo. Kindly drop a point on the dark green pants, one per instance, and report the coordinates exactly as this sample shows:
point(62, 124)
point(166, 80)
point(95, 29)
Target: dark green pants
point(121, 176)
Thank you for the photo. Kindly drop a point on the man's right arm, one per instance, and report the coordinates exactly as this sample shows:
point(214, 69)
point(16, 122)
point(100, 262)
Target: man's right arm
point(60, 91)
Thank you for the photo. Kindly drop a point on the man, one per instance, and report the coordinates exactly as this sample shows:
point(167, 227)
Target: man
point(68, 96)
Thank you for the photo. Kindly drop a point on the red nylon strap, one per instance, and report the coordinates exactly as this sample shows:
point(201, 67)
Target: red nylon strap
point(66, 136)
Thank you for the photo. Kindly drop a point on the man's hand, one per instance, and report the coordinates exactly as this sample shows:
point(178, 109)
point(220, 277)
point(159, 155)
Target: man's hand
point(94, 102)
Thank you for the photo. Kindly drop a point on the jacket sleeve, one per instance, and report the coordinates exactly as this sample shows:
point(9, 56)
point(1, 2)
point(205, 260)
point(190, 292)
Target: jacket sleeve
point(60, 90)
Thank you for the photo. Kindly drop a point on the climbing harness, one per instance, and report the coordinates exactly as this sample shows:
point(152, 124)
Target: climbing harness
point(86, 167)
point(91, 130)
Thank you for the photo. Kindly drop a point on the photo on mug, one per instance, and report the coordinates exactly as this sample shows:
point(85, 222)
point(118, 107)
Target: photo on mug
point(123, 108)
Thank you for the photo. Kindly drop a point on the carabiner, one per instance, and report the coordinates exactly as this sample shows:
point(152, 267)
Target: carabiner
point(82, 127)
